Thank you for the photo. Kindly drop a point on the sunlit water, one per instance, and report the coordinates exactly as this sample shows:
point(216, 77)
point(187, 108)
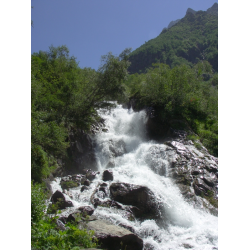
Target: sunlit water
point(137, 160)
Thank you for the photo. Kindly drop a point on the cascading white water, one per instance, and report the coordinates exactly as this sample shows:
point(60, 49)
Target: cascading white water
point(136, 160)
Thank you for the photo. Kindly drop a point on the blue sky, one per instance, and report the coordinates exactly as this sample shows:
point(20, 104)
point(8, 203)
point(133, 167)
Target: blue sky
point(91, 28)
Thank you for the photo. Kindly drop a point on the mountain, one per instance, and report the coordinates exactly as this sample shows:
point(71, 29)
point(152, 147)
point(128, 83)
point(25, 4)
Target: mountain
point(172, 23)
point(188, 40)
point(213, 10)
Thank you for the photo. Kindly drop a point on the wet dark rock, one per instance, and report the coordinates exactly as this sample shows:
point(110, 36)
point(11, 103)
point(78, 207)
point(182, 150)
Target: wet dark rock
point(91, 175)
point(86, 210)
point(209, 181)
point(85, 182)
point(63, 219)
point(198, 182)
point(80, 214)
point(139, 196)
point(81, 154)
point(57, 196)
point(106, 203)
point(196, 172)
point(212, 168)
point(59, 199)
point(199, 190)
point(107, 175)
point(110, 236)
point(74, 217)
point(83, 188)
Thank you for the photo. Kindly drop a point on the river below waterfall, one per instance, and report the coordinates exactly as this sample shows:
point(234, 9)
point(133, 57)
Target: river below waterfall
point(125, 149)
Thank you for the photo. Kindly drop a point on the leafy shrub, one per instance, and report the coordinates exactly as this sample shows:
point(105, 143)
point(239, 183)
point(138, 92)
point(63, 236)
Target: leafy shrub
point(38, 206)
point(45, 235)
point(44, 231)
point(69, 184)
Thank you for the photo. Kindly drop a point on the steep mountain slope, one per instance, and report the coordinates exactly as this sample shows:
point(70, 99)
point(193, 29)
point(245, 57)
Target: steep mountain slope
point(193, 38)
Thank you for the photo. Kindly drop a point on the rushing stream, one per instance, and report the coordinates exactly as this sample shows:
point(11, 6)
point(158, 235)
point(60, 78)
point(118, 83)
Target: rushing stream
point(135, 159)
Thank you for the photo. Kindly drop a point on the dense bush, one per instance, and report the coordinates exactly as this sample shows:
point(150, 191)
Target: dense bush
point(44, 231)
point(46, 235)
point(38, 198)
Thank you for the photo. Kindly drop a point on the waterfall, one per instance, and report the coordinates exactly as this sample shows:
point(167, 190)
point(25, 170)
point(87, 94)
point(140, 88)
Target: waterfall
point(134, 158)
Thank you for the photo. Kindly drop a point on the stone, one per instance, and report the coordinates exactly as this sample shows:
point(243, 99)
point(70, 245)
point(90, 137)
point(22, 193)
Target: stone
point(107, 175)
point(58, 198)
point(91, 175)
point(139, 196)
point(86, 210)
point(84, 188)
point(110, 236)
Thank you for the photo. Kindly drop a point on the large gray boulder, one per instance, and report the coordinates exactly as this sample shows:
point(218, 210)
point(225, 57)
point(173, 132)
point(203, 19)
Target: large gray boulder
point(141, 198)
point(112, 237)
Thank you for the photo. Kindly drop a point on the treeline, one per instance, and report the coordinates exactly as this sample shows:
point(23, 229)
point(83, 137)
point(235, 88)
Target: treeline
point(184, 93)
point(64, 96)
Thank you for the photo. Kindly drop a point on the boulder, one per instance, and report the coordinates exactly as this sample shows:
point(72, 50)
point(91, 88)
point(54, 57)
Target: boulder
point(75, 216)
point(57, 196)
point(139, 196)
point(112, 237)
point(86, 210)
point(85, 182)
point(107, 175)
point(59, 199)
point(84, 188)
point(91, 175)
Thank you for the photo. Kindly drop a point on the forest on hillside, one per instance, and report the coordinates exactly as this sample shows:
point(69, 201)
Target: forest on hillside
point(190, 40)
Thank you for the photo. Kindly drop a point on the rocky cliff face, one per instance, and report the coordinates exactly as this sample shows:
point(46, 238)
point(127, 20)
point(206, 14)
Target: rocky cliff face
point(212, 11)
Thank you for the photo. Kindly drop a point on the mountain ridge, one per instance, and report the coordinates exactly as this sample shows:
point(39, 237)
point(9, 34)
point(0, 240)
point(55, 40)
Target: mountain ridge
point(191, 39)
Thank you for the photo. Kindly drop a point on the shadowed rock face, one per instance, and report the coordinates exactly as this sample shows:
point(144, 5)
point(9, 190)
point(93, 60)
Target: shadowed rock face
point(110, 236)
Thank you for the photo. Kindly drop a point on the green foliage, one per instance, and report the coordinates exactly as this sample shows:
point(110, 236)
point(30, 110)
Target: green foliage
point(69, 184)
point(38, 198)
point(46, 235)
point(66, 97)
point(192, 39)
point(44, 231)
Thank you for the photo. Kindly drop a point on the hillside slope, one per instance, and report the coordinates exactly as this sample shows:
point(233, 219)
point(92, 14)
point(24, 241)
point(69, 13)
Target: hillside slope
point(193, 38)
